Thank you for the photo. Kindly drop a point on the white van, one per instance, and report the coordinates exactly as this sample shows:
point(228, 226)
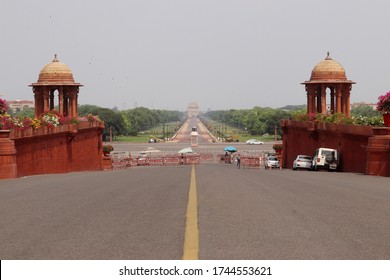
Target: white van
point(325, 158)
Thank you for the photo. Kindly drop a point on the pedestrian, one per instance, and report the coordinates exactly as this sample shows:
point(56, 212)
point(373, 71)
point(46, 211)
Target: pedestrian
point(238, 161)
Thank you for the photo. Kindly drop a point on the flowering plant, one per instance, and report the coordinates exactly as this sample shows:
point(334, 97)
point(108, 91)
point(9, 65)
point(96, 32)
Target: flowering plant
point(6, 122)
point(277, 147)
point(383, 104)
point(108, 148)
point(50, 119)
point(3, 107)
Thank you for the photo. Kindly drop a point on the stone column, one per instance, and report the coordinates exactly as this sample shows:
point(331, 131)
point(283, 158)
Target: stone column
point(7, 156)
point(332, 105)
point(76, 95)
point(311, 102)
point(378, 153)
point(347, 95)
point(73, 103)
point(37, 101)
point(323, 99)
point(318, 96)
point(51, 96)
point(338, 99)
point(61, 100)
point(66, 103)
point(46, 106)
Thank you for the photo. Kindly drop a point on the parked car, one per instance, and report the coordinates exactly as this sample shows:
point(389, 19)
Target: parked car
point(271, 162)
point(325, 158)
point(254, 142)
point(303, 162)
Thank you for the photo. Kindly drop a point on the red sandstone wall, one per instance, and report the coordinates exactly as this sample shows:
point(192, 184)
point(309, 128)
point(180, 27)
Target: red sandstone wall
point(59, 152)
point(305, 137)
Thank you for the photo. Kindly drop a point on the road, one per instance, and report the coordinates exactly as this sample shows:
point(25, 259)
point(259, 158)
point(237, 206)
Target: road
point(141, 213)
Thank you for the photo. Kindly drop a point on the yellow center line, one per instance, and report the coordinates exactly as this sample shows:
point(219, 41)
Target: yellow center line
point(191, 235)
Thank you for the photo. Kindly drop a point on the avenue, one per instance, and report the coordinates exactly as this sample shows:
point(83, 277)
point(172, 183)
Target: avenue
point(247, 213)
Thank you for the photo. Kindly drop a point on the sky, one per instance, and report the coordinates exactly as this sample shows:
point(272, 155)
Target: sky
point(222, 54)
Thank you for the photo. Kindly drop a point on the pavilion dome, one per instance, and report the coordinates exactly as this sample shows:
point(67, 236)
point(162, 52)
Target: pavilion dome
point(328, 70)
point(56, 72)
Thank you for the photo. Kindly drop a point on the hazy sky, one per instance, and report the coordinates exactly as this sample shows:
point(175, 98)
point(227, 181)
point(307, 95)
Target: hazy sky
point(223, 54)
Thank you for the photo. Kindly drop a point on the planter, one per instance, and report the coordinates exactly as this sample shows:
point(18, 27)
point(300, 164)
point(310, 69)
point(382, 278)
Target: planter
point(386, 119)
point(4, 134)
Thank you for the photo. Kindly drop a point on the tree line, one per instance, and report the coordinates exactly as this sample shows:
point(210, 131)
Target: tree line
point(132, 121)
point(256, 121)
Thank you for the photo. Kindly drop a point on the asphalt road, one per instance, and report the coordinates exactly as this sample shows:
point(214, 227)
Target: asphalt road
point(140, 213)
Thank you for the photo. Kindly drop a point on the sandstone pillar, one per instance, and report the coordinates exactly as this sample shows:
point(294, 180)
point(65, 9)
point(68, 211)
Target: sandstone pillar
point(378, 154)
point(7, 156)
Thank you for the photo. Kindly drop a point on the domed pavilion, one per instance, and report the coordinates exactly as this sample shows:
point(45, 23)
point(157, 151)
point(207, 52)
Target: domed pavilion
point(56, 77)
point(328, 76)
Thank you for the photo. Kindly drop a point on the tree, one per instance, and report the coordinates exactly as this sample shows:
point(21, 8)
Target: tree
point(364, 111)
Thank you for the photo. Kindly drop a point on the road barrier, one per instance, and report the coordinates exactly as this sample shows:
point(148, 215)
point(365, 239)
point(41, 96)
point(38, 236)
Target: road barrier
point(121, 160)
point(250, 161)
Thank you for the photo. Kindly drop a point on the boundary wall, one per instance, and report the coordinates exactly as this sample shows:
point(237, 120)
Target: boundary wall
point(62, 149)
point(362, 149)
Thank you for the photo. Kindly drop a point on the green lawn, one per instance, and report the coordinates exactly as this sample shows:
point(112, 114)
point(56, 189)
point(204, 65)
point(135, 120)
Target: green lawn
point(133, 139)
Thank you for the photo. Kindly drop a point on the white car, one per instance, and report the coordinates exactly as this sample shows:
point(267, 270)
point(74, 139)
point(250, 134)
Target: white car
point(271, 162)
point(325, 158)
point(254, 142)
point(303, 162)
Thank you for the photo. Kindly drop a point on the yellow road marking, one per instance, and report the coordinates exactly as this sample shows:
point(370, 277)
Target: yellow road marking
point(191, 235)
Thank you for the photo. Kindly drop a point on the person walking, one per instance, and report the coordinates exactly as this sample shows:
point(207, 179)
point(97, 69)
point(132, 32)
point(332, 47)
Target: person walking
point(238, 161)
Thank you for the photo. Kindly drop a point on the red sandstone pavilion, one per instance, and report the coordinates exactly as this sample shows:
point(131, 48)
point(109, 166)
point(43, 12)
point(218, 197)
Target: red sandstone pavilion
point(56, 76)
point(328, 74)
point(362, 149)
point(59, 149)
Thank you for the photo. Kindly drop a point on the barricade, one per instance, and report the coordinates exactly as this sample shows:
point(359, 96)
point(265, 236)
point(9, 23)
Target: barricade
point(156, 160)
point(250, 161)
point(173, 160)
point(119, 160)
point(140, 161)
point(206, 157)
point(191, 159)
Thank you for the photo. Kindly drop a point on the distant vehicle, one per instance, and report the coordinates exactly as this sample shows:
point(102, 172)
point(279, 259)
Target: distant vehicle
point(153, 139)
point(254, 142)
point(302, 162)
point(257, 142)
point(325, 158)
point(271, 162)
point(232, 138)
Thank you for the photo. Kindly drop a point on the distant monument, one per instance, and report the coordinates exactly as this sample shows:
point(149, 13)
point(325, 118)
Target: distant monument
point(193, 110)
point(56, 76)
point(328, 74)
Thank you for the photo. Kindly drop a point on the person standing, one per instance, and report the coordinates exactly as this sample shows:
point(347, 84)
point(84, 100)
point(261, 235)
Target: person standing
point(238, 161)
